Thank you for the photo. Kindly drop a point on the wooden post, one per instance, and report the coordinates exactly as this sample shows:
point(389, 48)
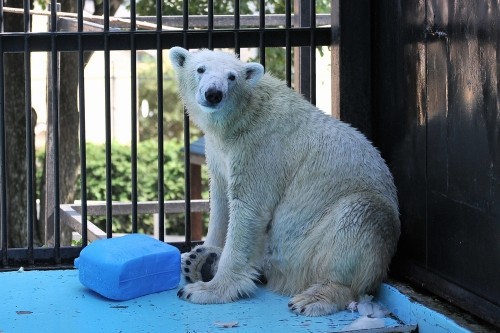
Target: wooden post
point(196, 218)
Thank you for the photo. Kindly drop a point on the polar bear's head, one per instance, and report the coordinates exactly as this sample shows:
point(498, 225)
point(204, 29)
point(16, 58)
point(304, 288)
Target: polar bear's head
point(214, 81)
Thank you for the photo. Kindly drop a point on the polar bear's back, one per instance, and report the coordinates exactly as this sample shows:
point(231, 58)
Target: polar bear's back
point(316, 144)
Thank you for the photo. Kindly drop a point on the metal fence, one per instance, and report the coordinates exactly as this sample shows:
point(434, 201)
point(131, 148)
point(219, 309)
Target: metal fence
point(299, 31)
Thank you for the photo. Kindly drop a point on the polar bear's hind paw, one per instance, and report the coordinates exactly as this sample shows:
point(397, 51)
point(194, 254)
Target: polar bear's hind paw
point(321, 299)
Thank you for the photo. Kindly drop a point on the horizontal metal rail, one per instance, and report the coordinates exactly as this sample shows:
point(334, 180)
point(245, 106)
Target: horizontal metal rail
point(71, 213)
point(147, 40)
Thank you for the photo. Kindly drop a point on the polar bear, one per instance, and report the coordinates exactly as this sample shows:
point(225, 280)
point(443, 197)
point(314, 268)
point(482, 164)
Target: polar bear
point(296, 196)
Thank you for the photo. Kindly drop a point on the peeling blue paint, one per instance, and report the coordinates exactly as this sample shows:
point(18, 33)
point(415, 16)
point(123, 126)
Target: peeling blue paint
point(412, 312)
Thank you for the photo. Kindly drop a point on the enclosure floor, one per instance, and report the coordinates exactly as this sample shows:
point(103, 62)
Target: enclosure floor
point(55, 301)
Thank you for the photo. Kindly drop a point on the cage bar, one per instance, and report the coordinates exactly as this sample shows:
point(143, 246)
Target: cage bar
point(237, 20)
point(262, 27)
point(29, 135)
point(312, 55)
point(107, 111)
point(3, 164)
point(55, 126)
point(288, 45)
point(81, 110)
point(159, 89)
point(210, 24)
point(133, 113)
point(187, 147)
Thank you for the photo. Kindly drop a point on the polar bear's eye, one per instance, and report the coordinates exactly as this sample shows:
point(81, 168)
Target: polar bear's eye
point(201, 70)
point(231, 77)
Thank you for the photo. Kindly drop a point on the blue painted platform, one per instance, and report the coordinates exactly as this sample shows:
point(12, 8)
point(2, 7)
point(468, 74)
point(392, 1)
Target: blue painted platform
point(55, 301)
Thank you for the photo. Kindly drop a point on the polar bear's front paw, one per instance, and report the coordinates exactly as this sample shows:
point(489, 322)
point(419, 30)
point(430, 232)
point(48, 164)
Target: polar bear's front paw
point(216, 292)
point(201, 263)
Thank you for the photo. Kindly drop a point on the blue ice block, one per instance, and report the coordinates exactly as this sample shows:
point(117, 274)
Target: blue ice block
point(126, 267)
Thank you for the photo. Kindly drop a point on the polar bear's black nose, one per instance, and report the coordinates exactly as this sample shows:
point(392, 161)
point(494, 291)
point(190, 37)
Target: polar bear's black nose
point(213, 96)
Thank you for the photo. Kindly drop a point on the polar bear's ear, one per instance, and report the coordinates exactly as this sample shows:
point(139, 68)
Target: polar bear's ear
point(178, 56)
point(254, 72)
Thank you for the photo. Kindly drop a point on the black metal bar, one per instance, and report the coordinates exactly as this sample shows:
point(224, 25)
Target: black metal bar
point(185, 18)
point(187, 148)
point(159, 82)
point(26, 16)
point(288, 45)
point(107, 112)
point(146, 40)
point(1, 16)
point(312, 55)
point(133, 114)
point(237, 46)
point(81, 109)
point(210, 24)
point(262, 28)
point(29, 135)
point(55, 124)
point(3, 164)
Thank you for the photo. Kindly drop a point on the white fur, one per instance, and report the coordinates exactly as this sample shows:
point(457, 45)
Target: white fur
point(295, 194)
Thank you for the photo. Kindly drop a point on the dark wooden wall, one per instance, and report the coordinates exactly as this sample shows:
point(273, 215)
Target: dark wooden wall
point(422, 80)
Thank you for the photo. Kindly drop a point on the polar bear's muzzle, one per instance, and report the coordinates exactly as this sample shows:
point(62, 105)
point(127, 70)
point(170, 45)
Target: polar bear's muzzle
point(213, 96)
point(211, 99)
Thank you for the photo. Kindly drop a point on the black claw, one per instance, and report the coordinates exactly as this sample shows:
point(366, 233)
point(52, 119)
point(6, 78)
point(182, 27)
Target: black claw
point(290, 304)
point(188, 262)
point(293, 308)
point(188, 296)
point(303, 310)
point(261, 279)
point(192, 256)
point(180, 292)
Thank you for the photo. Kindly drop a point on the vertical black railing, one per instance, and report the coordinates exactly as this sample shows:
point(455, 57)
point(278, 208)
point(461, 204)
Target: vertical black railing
point(107, 112)
point(312, 50)
point(187, 139)
point(262, 27)
point(159, 89)
point(210, 24)
point(237, 27)
point(81, 109)
point(29, 134)
point(3, 163)
point(55, 127)
point(288, 44)
point(133, 113)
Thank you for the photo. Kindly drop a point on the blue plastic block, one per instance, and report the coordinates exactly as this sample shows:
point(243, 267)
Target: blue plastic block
point(126, 267)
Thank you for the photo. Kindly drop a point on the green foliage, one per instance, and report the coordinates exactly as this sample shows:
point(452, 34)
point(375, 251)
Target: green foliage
point(173, 111)
point(200, 7)
point(147, 181)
